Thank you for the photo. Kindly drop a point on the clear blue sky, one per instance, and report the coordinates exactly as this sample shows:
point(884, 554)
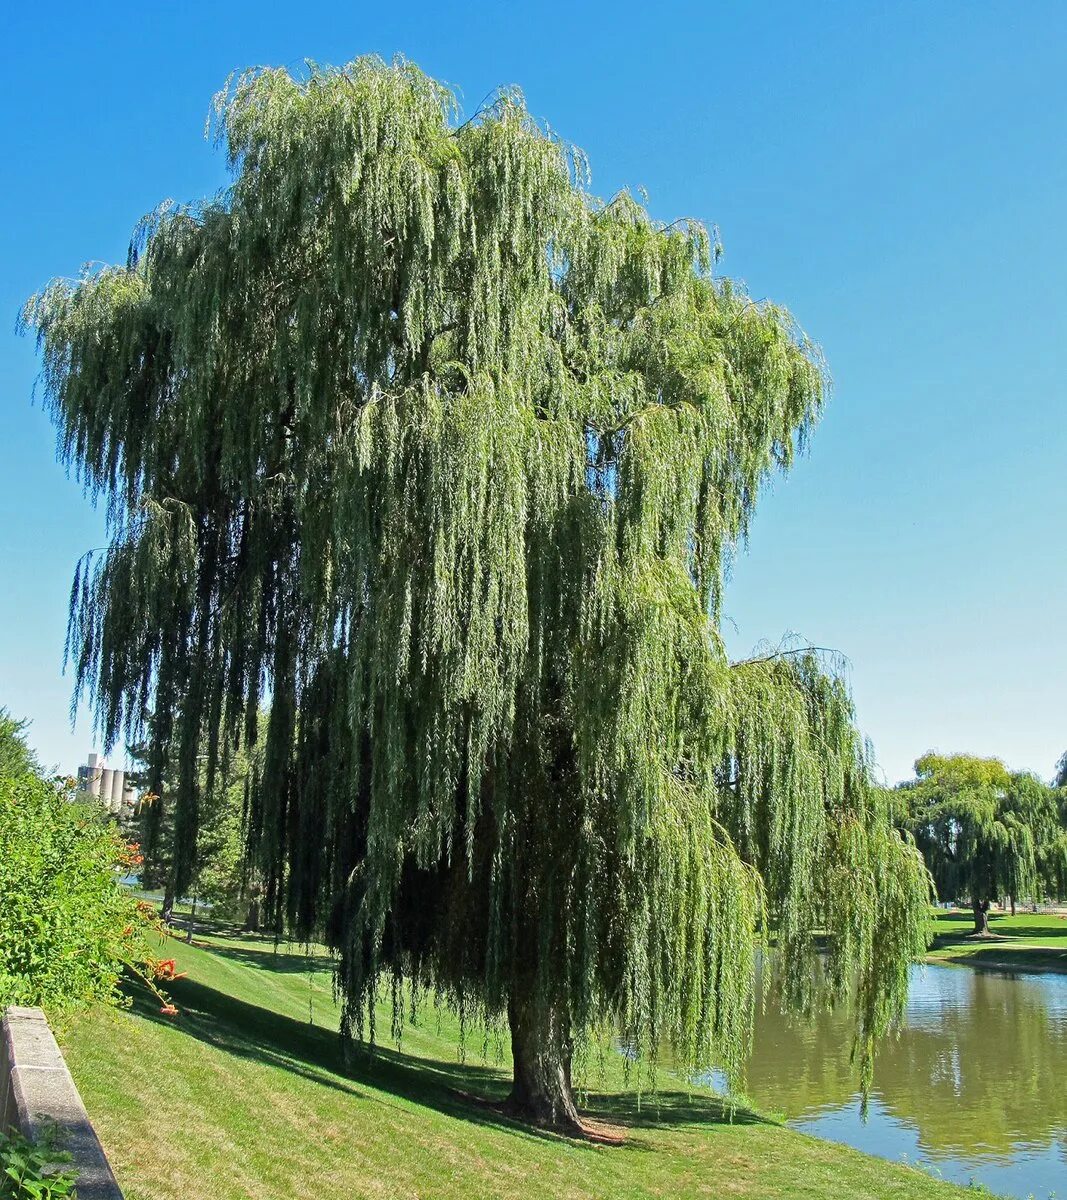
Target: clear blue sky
point(896, 174)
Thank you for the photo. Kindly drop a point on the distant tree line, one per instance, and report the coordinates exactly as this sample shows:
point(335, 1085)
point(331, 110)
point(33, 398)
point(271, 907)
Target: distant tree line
point(987, 833)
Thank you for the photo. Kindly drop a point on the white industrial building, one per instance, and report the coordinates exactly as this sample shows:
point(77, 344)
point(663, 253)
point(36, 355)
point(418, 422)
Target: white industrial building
point(107, 785)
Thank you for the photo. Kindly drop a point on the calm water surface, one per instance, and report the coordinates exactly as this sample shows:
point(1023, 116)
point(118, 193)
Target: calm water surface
point(973, 1089)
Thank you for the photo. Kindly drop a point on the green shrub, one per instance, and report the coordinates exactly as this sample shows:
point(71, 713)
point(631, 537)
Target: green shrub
point(68, 928)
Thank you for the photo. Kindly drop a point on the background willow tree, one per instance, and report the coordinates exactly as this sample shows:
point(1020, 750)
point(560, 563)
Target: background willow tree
point(1048, 804)
point(412, 435)
point(213, 867)
point(982, 830)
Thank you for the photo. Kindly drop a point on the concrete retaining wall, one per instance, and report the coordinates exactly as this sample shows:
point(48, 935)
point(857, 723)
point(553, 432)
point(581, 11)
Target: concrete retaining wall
point(37, 1093)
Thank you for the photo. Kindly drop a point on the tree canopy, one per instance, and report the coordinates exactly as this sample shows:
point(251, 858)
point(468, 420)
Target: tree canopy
point(985, 831)
point(16, 756)
point(1048, 806)
point(411, 436)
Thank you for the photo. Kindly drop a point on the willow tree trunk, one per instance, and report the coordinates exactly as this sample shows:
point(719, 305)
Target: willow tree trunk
point(981, 918)
point(541, 1047)
point(167, 911)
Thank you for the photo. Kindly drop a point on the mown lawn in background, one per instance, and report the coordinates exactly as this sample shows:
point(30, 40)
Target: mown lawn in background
point(1027, 941)
point(245, 1095)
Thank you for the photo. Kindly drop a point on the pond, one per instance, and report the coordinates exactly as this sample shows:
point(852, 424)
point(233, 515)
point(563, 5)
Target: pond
point(973, 1089)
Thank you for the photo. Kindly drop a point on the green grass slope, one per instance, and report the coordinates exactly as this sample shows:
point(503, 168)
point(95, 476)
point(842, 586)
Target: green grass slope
point(1025, 942)
point(245, 1096)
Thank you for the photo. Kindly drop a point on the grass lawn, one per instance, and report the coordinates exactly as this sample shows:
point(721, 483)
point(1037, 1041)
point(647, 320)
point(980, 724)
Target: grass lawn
point(245, 1095)
point(1027, 941)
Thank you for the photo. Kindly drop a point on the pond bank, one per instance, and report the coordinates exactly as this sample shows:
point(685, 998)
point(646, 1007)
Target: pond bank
point(1025, 942)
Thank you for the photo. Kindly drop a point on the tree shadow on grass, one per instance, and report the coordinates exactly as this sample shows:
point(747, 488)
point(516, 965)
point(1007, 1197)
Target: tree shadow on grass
point(1054, 928)
point(462, 1090)
point(1011, 960)
point(1006, 949)
point(206, 923)
point(279, 957)
point(247, 1031)
point(669, 1110)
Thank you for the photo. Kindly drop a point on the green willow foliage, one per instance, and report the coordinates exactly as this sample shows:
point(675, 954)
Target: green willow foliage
point(985, 831)
point(411, 435)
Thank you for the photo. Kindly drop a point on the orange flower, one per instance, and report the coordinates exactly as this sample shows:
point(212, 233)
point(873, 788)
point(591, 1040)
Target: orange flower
point(168, 1010)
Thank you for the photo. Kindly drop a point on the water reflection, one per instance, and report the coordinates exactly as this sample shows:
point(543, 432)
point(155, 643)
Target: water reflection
point(975, 1085)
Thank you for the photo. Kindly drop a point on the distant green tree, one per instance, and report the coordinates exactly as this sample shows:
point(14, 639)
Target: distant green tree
point(219, 873)
point(16, 757)
point(1042, 809)
point(1050, 807)
point(980, 828)
point(221, 876)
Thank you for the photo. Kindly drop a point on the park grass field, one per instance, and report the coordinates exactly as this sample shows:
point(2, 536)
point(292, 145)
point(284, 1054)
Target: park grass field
point(1027, 941)
point(245, 1095)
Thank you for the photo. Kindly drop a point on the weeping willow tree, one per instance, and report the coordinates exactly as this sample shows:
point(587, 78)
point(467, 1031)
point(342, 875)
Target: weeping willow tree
point(978, 827)
point(409, 436)
point(1046, 808)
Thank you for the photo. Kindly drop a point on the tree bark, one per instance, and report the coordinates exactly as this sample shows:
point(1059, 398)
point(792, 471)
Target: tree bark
point(167, 911)
point(541, 1048)
point(981, 918)
point(1013, 906)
